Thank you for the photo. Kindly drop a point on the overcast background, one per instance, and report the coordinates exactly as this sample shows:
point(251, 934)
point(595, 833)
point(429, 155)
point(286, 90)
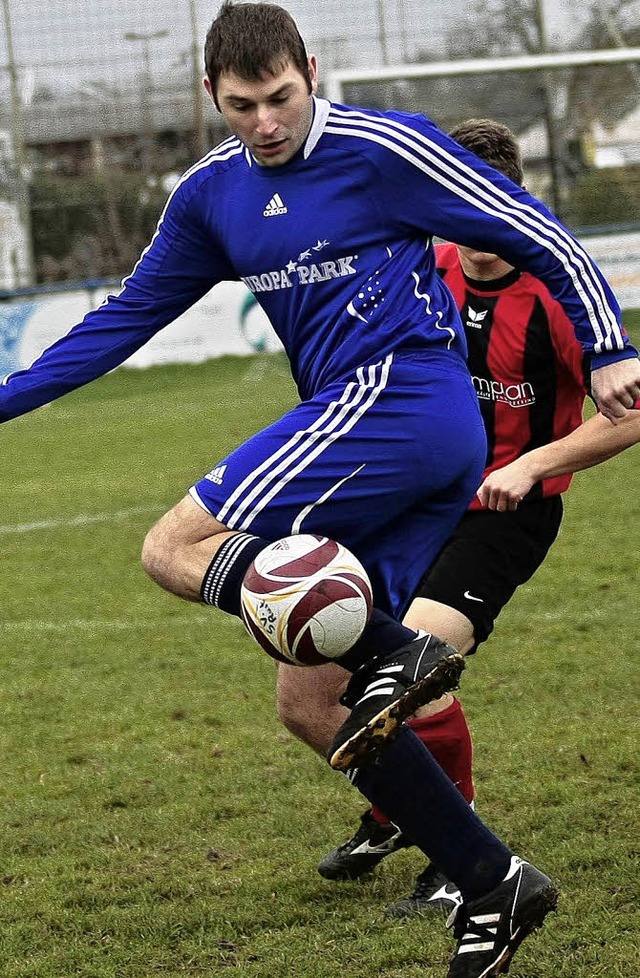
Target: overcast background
point(62, 43)
point(111, 107)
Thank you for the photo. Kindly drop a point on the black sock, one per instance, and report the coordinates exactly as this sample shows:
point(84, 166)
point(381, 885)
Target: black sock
point(414, 792)
point(382, 634)
point(223, 579)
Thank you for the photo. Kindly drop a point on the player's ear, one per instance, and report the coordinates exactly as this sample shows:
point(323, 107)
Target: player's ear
point(313, 73)
point(210, 92)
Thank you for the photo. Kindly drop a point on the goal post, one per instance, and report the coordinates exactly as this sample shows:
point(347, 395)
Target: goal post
point(555, 115)
point(338, 78)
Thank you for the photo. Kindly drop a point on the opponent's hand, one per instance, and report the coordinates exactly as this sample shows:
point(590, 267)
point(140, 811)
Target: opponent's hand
point(504, 489)
point(616, 388)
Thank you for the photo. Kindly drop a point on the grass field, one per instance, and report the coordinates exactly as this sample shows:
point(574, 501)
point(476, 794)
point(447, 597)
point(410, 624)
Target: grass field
point(156, 819)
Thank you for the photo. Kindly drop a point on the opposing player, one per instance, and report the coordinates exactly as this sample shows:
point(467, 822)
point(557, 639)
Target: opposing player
point(531, 378)
point(327, 214)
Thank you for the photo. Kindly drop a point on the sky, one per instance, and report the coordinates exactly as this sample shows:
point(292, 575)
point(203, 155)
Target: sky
point(63, 42)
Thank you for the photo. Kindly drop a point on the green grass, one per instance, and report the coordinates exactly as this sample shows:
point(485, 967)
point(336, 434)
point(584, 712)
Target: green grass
point(157, 821)
point(632, 322)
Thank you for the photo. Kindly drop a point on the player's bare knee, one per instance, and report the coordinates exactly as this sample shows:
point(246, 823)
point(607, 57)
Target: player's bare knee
point(155, 555)
point(296, 725)
point(308, 729)
point(308, 703)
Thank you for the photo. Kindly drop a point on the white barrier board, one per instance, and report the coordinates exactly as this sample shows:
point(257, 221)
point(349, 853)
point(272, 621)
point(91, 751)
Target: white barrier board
point(227, 320)
point(618, 255)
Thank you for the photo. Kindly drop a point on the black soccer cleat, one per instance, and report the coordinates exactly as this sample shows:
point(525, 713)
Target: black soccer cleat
point(432, 892)
point(360, 854)
point(387, 690)
point(490, 929)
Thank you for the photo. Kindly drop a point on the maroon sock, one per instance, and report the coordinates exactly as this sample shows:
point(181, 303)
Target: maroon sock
point(447, 737)
point(379, 815)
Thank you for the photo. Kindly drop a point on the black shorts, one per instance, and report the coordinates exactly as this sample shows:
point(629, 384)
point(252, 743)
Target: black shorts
point(488, 556)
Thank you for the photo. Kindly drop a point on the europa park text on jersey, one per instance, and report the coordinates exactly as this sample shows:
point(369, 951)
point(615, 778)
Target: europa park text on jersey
point(299, 273)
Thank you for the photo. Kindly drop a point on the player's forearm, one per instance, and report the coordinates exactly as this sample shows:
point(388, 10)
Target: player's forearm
point(593, 442)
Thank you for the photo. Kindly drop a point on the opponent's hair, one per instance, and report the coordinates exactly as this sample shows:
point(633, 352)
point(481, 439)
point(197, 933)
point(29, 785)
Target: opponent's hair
point(253, 39)
point(493, 143)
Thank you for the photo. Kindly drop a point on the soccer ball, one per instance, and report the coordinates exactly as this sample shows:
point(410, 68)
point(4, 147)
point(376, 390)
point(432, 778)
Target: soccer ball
point(306, 600)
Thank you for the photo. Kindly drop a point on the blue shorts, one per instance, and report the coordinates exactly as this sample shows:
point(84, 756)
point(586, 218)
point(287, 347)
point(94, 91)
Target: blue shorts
point(386, 461)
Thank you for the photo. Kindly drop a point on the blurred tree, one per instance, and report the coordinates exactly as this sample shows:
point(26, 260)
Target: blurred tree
point(600, 197)
point(567, 101)
point(602, 94)
point(91, 226)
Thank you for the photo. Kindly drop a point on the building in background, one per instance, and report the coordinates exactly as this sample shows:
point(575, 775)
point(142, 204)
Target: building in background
point(13, 235)
point(618, 145)
point(108, 101)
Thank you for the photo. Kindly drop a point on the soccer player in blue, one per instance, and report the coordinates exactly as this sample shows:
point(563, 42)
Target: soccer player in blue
point(327, 214)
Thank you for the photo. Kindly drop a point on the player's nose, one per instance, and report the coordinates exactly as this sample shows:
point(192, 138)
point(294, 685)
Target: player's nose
point(266, 123)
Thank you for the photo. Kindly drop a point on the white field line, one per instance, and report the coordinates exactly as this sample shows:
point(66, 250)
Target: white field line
point(82, 624)
point(83, 520)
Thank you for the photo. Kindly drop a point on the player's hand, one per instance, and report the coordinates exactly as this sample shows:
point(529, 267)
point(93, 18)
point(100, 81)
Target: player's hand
point(504, 489)
point(616, 388)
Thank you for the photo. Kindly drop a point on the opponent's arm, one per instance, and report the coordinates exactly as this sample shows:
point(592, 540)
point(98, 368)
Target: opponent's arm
point(595, 441)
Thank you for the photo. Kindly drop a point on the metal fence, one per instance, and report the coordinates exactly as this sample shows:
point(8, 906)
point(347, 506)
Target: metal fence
point(109, 94)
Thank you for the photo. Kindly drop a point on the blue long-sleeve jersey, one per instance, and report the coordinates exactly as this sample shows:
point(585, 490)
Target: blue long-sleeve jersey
point(336, 245)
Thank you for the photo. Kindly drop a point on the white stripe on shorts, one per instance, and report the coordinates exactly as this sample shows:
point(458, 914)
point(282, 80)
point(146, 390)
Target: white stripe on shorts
point(272, 475)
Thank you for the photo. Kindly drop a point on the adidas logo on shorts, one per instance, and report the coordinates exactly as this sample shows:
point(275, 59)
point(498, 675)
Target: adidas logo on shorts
point(275, 207)
point(216, 475)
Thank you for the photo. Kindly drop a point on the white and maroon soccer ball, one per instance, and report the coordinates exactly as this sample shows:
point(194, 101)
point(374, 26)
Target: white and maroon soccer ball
point(306, 599)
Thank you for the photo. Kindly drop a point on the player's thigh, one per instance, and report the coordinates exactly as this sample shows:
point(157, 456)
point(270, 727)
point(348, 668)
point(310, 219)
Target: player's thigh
point(441, 620)
point(398, 554)
point(187, 523)
point(487, 557)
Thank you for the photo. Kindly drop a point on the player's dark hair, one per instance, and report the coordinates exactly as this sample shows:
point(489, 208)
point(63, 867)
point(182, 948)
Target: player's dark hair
point(253, 39)
point(493, 143)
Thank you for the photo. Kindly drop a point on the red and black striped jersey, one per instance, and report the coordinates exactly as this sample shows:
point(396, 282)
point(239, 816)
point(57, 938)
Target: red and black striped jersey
point(527, 367)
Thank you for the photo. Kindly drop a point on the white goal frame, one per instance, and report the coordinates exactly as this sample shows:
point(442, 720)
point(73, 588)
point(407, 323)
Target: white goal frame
point(338, 78)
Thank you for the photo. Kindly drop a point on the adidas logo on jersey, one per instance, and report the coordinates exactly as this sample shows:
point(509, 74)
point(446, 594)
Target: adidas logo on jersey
point(216, 475)
point(275, 207)
point(475, 319)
